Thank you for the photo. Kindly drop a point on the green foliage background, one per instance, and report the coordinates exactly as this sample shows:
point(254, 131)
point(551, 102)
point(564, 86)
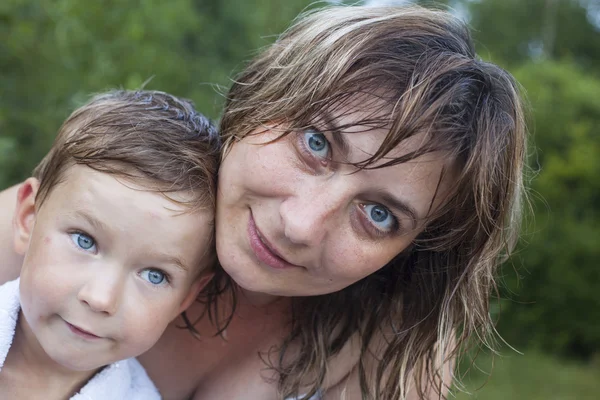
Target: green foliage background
point(55, 53)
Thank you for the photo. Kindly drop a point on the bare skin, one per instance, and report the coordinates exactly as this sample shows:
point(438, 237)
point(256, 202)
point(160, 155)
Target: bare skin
point(11, 260)
point(184, 367)
point(23, 362)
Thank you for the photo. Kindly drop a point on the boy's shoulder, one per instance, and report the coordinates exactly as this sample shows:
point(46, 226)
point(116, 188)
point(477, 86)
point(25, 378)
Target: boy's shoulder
point(9, 314)
point(125, 379)
point(9, 291)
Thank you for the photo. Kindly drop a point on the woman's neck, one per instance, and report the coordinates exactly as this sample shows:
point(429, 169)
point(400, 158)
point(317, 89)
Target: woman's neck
point(26, 359)
point(258, 299)
point(234, 296)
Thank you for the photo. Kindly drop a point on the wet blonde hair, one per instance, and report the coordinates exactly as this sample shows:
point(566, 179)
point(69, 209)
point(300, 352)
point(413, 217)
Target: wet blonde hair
point(420, 69)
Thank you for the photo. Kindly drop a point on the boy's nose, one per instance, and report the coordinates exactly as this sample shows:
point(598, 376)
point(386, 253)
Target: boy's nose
point(101, 294)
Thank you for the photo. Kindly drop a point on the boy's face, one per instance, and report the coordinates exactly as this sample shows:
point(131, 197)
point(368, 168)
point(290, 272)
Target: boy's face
point(107, 266)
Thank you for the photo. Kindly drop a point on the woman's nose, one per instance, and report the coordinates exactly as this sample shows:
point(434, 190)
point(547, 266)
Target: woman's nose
point(308, 216)
point(102, 293)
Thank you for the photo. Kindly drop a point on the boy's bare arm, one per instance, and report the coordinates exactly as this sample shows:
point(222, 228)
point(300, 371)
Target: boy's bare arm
point(10, 261)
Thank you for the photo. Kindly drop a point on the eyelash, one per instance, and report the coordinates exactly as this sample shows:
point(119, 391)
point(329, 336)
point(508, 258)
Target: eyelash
point(168, 278)
point(374, 230)
point(80, 232)
point(307, 152)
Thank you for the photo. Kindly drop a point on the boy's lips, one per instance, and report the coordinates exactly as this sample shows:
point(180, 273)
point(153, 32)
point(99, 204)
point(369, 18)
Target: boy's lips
point(81, 332)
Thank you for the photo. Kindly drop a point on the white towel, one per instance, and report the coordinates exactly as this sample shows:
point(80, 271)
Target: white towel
point(123, 380)
point(9, 313)
point(126, 380)
point(317, 396)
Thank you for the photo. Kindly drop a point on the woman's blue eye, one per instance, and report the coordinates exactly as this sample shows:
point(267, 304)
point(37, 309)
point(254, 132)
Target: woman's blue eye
point(154, 276)
point(317, 143)
point(382, 218)
point(83, 241)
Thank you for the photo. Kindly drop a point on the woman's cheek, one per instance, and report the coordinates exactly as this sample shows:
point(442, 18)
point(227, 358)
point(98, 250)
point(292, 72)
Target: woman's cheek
point(361, 258)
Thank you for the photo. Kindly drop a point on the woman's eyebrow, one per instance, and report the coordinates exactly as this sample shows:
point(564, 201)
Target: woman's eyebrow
point(341, 143)
point(401, 206)
point(336, 135)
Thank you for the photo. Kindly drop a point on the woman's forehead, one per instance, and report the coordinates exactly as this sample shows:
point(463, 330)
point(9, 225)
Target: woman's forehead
point(362, 144)
point(367, 120)
point(359, 109)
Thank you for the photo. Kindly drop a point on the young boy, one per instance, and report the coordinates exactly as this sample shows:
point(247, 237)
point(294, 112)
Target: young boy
point(116, 227)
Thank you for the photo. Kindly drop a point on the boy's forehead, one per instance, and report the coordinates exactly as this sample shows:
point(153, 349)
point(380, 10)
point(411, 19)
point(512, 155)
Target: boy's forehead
point(148, 224)
point(82, 183)
point(123, 204)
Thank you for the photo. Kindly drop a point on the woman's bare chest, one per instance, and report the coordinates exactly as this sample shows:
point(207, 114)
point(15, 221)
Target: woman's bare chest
point(214, 367)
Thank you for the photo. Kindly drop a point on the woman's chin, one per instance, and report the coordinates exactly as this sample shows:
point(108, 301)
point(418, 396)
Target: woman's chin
point(255, 286)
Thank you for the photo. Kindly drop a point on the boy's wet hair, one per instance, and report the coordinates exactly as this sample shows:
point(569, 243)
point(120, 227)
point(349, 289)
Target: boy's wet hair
point(151, 138)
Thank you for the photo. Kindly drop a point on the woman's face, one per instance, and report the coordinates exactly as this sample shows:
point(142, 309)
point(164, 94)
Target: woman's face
point(294, 220)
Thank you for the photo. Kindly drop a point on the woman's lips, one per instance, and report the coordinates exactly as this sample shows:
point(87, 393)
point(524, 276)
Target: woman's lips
point(263, 250)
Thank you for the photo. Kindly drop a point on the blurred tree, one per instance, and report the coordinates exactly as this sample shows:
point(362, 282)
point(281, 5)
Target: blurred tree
point(514, 31)
point(556, 304)
point(53, 54)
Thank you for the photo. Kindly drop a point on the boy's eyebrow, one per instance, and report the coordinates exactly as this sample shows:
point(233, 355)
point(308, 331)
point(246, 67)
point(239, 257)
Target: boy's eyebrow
point(167, 259)
point(93, 221)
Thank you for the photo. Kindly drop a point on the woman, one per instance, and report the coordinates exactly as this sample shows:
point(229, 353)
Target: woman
point(369, 187)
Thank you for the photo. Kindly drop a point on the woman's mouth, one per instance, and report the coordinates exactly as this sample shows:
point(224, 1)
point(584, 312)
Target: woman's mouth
point(263, 250)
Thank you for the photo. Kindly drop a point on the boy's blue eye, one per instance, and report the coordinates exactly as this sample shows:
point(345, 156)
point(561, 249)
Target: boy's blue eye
point(83, 241)
point(317, 143)
point(381, 217)
point(154, 276)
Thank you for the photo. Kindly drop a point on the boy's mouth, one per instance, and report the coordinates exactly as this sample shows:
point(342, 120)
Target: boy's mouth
point(81, 332)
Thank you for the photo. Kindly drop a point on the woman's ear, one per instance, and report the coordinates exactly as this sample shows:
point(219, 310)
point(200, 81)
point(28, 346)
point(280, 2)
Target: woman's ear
point(196, 287)
point(24, 217)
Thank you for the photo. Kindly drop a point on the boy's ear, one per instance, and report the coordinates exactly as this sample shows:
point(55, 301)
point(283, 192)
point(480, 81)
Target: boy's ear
point(196, 287)
point(24, 217)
